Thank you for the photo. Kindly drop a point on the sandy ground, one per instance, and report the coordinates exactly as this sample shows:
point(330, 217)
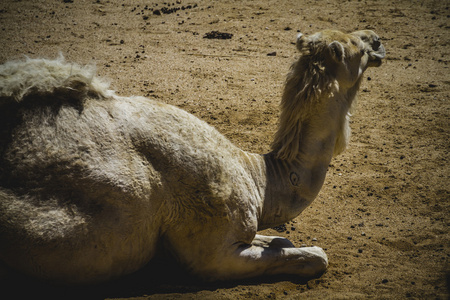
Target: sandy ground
point(383, 213)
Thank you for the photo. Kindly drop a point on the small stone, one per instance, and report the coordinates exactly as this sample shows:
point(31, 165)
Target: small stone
point(363, 233)
point(360, 250)
point(349, 238)
point(314, 240)
point(384, 281)
point(280, 228)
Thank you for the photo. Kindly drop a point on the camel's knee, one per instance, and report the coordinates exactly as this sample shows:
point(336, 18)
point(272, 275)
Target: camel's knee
point(321, 259)
point(312, 261)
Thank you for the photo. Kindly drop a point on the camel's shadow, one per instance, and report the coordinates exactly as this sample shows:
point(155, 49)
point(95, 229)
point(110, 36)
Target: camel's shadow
point(159, 277)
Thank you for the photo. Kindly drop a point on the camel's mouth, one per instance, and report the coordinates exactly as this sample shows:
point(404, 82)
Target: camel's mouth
point(377, 54)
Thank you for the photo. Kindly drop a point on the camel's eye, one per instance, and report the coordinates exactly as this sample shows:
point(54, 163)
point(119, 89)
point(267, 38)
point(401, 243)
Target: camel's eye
point(362, 51)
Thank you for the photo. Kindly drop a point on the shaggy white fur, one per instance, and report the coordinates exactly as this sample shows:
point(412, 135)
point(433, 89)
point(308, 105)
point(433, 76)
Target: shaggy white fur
point(92, 184)
point(41, 76)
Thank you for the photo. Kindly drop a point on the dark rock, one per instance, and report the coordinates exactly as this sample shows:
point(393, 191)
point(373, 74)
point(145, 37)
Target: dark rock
point(218, 35)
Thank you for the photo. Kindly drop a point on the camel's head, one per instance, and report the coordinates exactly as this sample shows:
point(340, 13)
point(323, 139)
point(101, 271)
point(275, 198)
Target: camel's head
point(330, 66)
point(344, 56)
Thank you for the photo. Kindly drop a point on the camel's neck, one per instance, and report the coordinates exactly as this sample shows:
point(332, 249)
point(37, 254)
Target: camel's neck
point(292, 186)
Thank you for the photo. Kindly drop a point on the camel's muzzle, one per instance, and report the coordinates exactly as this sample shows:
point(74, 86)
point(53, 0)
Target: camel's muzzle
point(377, 54)
point(374, 47)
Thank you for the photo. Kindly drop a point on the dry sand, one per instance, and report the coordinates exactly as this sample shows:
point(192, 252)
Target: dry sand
point(383, 213)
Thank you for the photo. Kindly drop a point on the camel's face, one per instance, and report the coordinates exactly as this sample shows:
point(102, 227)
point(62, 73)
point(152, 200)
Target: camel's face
point(370, 46)
point(346, 56)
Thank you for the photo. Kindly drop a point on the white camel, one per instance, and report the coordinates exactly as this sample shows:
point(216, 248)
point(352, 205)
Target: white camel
point(93, 184)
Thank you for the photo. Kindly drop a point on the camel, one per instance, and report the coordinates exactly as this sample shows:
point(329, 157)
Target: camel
point(93, 185)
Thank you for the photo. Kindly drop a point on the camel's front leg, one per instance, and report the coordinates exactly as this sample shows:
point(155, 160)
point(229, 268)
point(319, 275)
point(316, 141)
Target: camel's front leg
point(267, 255)
point(277, 255)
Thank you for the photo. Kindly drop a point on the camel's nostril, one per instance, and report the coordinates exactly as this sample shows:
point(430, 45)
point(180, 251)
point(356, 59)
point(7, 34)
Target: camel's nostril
point(376, 45)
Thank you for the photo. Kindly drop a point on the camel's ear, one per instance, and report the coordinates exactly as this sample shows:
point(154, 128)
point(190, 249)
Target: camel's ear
point(301, 41)
point(337, 51)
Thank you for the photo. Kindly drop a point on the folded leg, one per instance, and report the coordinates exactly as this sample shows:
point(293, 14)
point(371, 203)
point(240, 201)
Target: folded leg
point(270, 255)
point(266, 255)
